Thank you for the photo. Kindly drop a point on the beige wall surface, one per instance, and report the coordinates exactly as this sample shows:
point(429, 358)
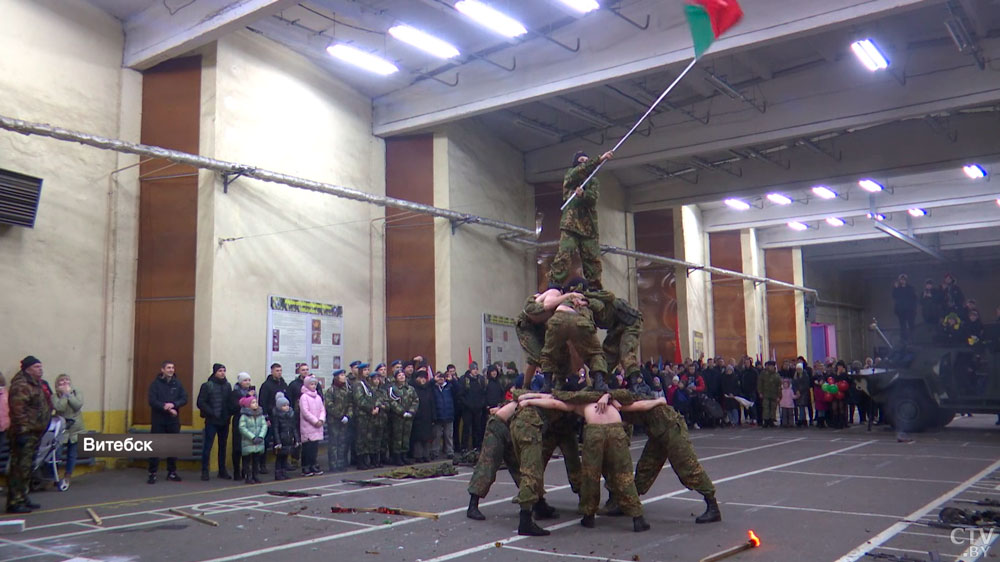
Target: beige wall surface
point(484, 177)
point(68, 284)
point(274, 109)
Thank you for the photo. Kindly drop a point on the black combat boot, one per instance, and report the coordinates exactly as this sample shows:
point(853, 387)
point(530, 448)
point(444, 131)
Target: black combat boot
point(528, 527)
point(473, 511)
point(639, 524)
point(712, 513)
point(587, 521)
point(543, 510)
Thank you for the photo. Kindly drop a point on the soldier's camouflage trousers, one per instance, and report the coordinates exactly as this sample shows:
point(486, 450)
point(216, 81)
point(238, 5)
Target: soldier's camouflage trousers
point(562, 433)
point(364, 433)
point(526, 435)
point(497, 449)
point(606, 452)
point(621, 343)
point(399, 443)
point(531, 337)
point(566, 327)
point(668, 440)
point(22, 454)
point(769, 408)
point(381, 434)
point(590, 259)
point(336, 447)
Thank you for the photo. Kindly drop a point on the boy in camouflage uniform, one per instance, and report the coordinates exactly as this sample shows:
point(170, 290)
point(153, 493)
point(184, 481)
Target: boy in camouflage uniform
point(380, 429)
point(30, 406)
point(497, 449)
point(526, 432)
point(571, 321)
point(403, 404)
point(365, 412)
point(339, 412)
point(578, 226)
point(769, 388)
point(623, 323)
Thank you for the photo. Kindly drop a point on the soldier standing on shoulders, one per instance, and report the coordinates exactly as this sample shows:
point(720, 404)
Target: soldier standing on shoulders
point(578, 226)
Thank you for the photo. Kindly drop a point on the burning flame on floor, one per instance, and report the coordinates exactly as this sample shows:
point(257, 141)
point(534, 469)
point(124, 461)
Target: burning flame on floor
point(753, 539)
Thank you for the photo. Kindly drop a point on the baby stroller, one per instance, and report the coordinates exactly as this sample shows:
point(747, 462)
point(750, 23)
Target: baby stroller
point(45, 467)
point(706, 411)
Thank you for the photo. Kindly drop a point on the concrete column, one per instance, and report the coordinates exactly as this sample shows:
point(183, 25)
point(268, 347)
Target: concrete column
point(801, 328)
point(694, 289)
point(442, 257)
point(753, 294)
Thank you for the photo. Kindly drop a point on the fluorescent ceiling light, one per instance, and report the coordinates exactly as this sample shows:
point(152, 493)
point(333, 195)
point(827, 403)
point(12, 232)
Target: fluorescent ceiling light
point(490, 18)
point(917, 212)
point(424, 41)
point(738, 204)
point(835, 221)
point(362, 59)
point(779, 199)
point(799, 226)
point(998, 202)
point(974, 171)
point(871, 186)
point(824, 192)
point(582, 6)
point(876, 216)
point(869, 55)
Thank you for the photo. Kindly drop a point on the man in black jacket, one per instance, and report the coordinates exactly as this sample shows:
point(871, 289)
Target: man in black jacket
point(472, 397)
point(274, 384)
point(166, 397)
point(748, 384)
point(213, 405)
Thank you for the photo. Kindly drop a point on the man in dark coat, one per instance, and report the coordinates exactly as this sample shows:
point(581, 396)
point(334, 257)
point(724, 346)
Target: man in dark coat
point(472, 397)
point(444, 417)
point(904, 300)
point(274, 384)
point(748, 384)
point(166, 397)
point(213, 406)
point(421, 436)
point(30, 403)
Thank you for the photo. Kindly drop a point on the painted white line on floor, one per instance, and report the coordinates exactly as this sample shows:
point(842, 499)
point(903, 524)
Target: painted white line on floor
point(981, 547)
point(924, 552)
point(758, 506)
point(869, 477)
point(27, 556)
point(319, 540)
point(564, 555)
point(935, 457)
point(881, 538)
point(316, 517)
point(45, 551)
point(932, 535)
point(517, 538)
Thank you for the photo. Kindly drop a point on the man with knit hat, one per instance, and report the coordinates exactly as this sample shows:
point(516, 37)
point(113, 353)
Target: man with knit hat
point(213, 404)
point(30, 402)
point(578, 226)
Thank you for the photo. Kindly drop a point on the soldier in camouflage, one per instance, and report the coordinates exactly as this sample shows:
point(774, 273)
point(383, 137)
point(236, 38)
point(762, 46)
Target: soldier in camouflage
point(497, 449)
point(365, 413)
point(578, 226)
point(530, 330)
point(526, 433)
point(30, 403)
point(403, 404)
point(380, 433)
point(769, 388)
point(623, 323)
point(571, 322)
point(339, 412)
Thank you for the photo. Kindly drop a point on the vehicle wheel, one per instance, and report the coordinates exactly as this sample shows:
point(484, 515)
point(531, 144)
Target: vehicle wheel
point(911, 410)
point(943, 417)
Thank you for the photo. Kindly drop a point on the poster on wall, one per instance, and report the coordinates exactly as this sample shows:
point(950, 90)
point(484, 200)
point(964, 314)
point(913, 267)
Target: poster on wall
point(302, 331)
point(500, 341)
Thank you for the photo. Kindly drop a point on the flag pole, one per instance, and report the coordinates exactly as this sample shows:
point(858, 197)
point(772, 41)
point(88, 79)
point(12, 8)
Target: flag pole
point(636, 126)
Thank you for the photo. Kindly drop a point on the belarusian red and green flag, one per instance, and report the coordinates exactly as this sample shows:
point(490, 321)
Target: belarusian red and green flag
point(709, 19)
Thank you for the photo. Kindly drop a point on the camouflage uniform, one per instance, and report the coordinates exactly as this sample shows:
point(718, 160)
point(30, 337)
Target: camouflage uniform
point(606, 452)
point(578, 228)
point(623, 323)
point(364, 402)
point(565, 327)
point(769, 388)
point(30, 413)
point(339, 403)
point(561, 431)
point(529, 334)
point(402, 399)
point(497, 449)
point(668, 440)
point(526, 428)
point(381, 426)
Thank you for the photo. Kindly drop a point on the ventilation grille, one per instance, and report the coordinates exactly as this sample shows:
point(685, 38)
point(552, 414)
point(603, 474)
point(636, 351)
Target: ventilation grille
point(19, 195)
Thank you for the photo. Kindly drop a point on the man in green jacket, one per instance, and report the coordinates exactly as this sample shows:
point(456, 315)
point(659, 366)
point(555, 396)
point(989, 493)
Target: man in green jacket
point(578, 226)
point(769, 388)
point(30, 402)
point(339, 412)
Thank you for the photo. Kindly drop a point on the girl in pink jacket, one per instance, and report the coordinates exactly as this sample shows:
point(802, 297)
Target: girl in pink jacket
point(312, 418)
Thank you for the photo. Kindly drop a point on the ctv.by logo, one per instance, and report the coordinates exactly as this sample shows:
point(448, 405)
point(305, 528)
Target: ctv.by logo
point(978, 546)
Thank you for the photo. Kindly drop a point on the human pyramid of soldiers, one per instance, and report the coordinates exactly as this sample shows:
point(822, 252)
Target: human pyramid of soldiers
point(524, 433)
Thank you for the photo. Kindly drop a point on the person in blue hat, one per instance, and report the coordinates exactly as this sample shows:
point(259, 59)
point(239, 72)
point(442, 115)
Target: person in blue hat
point(339, 411)
point(365, 411)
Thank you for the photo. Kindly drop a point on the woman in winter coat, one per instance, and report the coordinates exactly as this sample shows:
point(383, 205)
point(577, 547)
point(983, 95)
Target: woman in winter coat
point(422, 435)
point(253, 430)
point(284, 434)
point(801, 384)
point(68, 403)
point(312, 416)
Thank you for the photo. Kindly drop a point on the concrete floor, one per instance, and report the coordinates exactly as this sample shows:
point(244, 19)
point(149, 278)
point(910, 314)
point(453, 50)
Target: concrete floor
point(809, 494)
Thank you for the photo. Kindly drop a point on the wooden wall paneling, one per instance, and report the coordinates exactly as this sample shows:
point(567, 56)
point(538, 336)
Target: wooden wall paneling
point(780, 304)
point(727, 296)
point(657, 288)
point(168, 222)
point(409, 251)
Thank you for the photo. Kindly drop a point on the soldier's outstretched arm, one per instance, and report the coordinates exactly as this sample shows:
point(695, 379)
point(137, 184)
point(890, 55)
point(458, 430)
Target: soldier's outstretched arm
point(644, 405)
point(533, 395)
point(547, 403)
point(589, 397)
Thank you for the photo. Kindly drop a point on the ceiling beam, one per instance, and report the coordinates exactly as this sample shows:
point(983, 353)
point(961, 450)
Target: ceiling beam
point(160, 33)
point(666, 42)
point(830, 97)
point(910, 241)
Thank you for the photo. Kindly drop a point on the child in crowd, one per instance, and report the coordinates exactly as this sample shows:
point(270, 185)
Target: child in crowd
point(284, 434)
point(821, 404)
point(787, 403)
point(253, 429)
point(312, 414)
point(68, 403)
